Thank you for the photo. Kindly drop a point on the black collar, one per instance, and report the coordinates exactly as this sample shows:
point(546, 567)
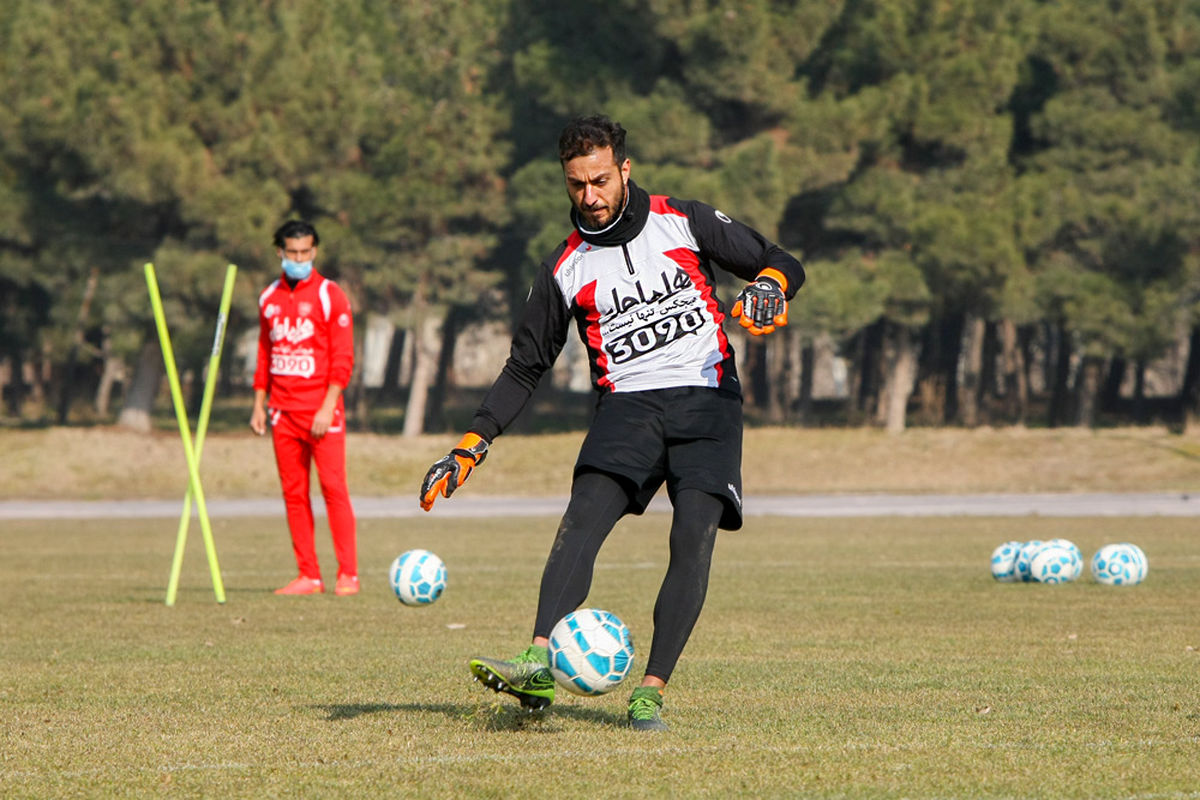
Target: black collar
point(630, 224)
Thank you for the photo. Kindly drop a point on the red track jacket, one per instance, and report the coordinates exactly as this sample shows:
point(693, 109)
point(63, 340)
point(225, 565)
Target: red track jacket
point(305, 342)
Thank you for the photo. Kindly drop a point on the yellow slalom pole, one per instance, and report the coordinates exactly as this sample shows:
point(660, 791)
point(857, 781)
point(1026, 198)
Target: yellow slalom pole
point(210, 385)
point(164, 337)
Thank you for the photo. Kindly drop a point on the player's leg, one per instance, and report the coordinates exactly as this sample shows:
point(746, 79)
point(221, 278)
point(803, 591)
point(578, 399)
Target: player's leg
point(597, 501)
point(680, 599)
point(329, 453)
point(704, 460)
point(293, 456)
point(681, 596)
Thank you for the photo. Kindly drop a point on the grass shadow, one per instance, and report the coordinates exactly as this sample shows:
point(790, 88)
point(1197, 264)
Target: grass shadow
point(496, 716)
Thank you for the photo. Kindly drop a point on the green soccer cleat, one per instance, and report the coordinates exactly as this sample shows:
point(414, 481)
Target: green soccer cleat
point(645, 705)
point(526, 677)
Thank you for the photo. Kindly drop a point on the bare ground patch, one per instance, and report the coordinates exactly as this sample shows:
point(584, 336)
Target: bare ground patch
point(108, 463)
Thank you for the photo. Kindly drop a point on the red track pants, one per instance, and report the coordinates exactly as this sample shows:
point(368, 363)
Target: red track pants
point(295, 450)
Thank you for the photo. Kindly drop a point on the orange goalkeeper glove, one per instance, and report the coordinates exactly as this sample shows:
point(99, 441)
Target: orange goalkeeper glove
point(762, 305)
point(452, 470)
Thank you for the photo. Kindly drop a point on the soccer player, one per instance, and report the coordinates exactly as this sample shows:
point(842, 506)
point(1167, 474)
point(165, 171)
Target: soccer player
point(305, 357)
point(636, 278)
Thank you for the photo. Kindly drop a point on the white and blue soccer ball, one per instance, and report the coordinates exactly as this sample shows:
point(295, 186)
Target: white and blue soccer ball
point(1004, 562)
point(418, 577)
point(1121, 564)
point(591, 651)
point(1054, 563)
point(1139, 556)
point(1067, 543)
point(1073, 549)
point(1024, 559)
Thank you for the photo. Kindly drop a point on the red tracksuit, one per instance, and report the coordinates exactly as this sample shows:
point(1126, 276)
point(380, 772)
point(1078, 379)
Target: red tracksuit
point(305, 343)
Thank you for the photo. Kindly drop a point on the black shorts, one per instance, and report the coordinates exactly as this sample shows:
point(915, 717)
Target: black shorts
point(689, 437)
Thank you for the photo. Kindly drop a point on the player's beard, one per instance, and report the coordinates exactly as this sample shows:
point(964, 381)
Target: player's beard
point(614, 211)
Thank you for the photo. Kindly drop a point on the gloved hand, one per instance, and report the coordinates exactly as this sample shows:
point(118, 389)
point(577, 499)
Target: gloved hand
point(452, 470)
point(761, 306)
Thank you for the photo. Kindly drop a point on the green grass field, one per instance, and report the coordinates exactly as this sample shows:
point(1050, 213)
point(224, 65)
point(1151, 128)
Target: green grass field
point(835, 658)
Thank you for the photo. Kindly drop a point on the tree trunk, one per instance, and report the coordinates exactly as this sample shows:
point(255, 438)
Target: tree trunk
point(884, 366)
point(754, 374)
point(901, 376)
point(1088, 390)
point(1060, 391)
point(357, 401)
point(64, 398)
point(853, 358)
point(782, 375)
point(1110, 387)
point(114, 370)
point(143, 389)
point(870, 366)
point(808, 358)
point(1189, 390)
point(952, 342)
point(1025, 348)
point(445, 379)
point(1016, 390)
point(989, 382)
point(938, 370)
point(39, 372)
point(15, 388)
point(408, 357)
point(1053, 335)
point(395, 364)
point(194, 379)
point(972, 368)
point(5, 380)
point(1141, 412)
point(426, 348)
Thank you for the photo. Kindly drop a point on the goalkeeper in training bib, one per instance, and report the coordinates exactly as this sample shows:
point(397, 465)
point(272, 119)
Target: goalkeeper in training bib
point(636, 278)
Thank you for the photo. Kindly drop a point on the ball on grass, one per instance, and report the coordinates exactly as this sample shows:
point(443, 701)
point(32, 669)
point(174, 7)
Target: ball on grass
point(418, 577)
point(1025, 559)
point(1054, 564)
point(1120, 564)
point(1004, 562)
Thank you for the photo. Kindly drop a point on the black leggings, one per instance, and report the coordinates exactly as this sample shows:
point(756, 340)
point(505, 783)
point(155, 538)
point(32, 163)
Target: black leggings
point(598, 500)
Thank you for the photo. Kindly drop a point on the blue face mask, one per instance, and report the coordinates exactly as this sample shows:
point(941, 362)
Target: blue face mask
point(297, 270)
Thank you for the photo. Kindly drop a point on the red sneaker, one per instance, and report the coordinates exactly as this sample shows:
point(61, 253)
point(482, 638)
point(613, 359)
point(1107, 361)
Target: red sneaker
point(346, 584)
point(303, 585)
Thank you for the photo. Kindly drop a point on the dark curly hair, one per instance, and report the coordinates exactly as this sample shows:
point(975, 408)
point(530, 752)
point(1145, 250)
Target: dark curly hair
point(585, 134)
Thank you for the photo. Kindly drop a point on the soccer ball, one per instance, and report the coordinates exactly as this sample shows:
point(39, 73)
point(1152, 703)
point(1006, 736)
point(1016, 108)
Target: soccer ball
point(1025, 558)
point(1076, 555)
point(418, 577)
point(1122, 564)
point(1054, 564)
point(591, 651)
point(1004, 562)
point(1139, 558)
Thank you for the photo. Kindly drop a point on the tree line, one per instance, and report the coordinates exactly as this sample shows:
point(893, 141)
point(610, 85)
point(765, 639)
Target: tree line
point(995, 200)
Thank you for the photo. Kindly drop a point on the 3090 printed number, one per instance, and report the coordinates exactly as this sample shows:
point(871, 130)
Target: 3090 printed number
point(650, 337)
point(302, 365)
